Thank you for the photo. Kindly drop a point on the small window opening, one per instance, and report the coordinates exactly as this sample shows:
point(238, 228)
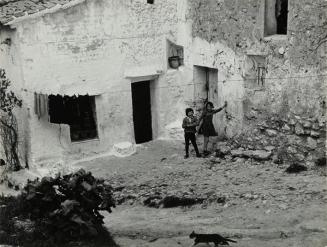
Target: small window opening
point(254, 71)
point(78, 112)
point(150, 1)
point(261, 75)
point(175, 55)
point(276, 12)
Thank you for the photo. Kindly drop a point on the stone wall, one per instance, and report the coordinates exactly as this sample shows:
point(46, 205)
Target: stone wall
point(288, 112)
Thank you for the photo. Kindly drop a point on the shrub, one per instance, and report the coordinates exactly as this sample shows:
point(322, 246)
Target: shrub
point(64, 208)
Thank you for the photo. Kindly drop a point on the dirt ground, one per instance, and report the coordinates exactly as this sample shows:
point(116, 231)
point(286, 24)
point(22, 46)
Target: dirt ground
point(254, 203)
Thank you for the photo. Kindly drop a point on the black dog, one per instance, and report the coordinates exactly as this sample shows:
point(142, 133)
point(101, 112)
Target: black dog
point(210, 238)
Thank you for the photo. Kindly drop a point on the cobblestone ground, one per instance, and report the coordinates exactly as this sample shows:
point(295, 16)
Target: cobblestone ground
point(255, 203)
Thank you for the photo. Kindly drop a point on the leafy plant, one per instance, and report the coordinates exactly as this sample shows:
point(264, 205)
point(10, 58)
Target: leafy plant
point(8, 123)
point(66, 208)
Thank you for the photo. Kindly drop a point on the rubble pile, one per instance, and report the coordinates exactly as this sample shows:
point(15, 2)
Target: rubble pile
point(215, 180)
point(284, 140)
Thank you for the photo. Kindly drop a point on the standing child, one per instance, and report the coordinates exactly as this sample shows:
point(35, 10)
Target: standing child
point(189, 125)
point(207, 126)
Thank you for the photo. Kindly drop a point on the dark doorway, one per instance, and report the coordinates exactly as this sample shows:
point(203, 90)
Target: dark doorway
point(142, 111)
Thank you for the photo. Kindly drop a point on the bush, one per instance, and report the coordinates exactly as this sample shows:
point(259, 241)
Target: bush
point(62, 209)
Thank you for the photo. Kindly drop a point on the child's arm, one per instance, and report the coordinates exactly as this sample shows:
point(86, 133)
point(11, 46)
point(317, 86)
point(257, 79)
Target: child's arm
point(196, 122)
point(219, 109)
point(187, 123)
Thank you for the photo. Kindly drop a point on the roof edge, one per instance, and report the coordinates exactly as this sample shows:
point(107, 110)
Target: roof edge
point(54, 9)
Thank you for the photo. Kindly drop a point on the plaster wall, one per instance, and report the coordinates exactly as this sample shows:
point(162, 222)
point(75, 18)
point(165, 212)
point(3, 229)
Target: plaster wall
point(93, 45)
point(10, 61)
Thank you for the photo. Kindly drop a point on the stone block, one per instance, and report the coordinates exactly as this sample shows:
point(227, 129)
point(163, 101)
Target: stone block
point(225, 149)
point(307, 124)
point(270, 148)
point(311, 143)
point(286, 127)
point(291, 150)
point(299, 157)
point(314, 133)
point(237, 153)
point(299, 129)
point(261, 155)
point(315, 126)
point(271, 132)
point(307, 131)
point(292, 122)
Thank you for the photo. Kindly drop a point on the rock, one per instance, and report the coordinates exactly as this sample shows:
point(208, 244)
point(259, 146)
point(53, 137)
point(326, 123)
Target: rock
point(281, 50)
point(261, 155)
point(309, 164)
point(299, 129)
point(291, 150)
point(221, 199)
point(123, 149)
point(247, 153)
point(299, 157)
point(271, 132)
point(292, 122)
point(237, 153)
point(283, 235)
point(295, 168)
point(311, 143)
point(240, 160)
point(277, 160)
point(307, 124)
point(286, 127)
point(270, 148)
point(307, 131)
point(315, 126)
point(314, 133)
point(321, 161)
point(225, 150)
point(283, 206)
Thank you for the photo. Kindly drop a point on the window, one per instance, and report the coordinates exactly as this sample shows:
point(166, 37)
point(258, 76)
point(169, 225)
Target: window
point(78, 112)
point(254, 71)
point(275, 17)
point(150, 1)
point(175, 55)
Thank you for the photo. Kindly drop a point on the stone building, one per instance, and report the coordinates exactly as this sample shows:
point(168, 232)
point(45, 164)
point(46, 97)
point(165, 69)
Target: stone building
point(93, 73)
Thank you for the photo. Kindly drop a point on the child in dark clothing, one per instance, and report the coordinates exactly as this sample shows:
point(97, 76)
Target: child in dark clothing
point(208, 128)
point(189, 125)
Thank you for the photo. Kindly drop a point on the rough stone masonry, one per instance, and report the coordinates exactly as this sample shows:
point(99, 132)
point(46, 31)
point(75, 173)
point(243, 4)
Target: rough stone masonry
point(287, 114)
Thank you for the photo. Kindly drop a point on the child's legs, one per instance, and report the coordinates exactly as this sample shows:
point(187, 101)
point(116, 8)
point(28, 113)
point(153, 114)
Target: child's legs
point(214, 142)
point(205, 143)
point(187, 142)
point(193, 140)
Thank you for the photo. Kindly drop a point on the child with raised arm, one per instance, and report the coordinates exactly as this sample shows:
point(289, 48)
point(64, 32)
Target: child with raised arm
point(189, 125)
point(207, 125)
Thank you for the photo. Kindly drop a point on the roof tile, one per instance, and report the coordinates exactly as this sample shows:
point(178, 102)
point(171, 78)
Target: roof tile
point(9, 9)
